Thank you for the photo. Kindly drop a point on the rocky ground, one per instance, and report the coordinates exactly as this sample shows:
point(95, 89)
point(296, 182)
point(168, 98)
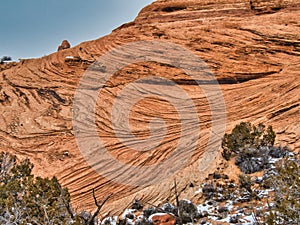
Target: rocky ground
point(222, 201)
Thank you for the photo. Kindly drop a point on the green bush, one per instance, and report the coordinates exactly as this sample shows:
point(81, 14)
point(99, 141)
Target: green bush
point(246, 136)
point(5, 59)
point(286, 201)
point(25, 199)
point(245, 182)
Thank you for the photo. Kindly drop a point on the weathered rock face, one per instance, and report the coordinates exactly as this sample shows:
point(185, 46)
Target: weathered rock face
point(64, 45)
point(252, 47)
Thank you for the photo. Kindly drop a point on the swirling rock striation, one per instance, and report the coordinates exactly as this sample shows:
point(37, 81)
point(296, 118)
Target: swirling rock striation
point(252, 47)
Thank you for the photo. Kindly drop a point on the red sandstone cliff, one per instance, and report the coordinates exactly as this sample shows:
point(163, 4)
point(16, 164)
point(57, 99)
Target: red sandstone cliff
point(253, 48)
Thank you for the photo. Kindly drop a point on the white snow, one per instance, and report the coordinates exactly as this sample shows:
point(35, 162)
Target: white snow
point(264, 193)
point(248, 220)
point(205, 207)
point(157, 214)
point(198, 191)
point(128, 211)
point(229, 205)
point(111, 220)
point(273, 160)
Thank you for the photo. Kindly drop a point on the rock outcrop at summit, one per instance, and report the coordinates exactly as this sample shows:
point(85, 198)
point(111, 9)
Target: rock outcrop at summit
point(64, 45)
point(252, 47)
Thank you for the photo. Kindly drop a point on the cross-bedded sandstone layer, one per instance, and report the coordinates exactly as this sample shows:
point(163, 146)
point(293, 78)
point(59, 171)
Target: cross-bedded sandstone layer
point(252, 47)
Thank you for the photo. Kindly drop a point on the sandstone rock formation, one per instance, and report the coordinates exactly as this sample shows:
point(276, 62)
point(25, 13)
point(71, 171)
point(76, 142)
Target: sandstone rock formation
point(64, 45)
point(163, 219)
point(252, 47)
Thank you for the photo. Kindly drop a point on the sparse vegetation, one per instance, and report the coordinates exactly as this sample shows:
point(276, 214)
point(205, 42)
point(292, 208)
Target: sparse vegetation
point(285, 207)
point(253, 149)
point(251, 146)
point(245, 182)
point(5, 59)
point(247, 138)
point(6, 63)
point(25, 199)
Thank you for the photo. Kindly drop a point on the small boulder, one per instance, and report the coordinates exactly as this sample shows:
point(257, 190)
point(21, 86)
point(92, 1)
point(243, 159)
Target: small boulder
point(162, 219)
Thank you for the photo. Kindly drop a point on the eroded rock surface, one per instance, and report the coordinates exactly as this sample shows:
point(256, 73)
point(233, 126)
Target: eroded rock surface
point(252, 47)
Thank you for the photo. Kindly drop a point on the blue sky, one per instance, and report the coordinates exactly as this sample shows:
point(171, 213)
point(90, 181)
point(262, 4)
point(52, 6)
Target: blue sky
point(34, 28)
